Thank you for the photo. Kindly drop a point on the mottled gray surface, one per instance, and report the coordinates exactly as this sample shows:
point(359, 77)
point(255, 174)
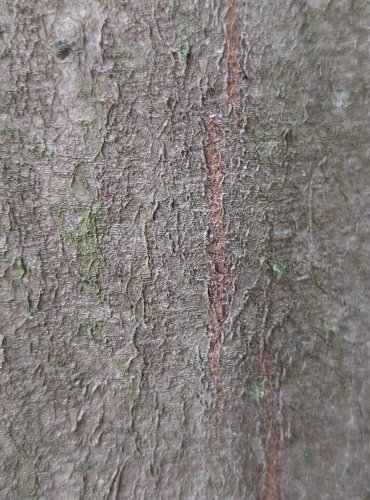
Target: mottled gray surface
point(185, 249)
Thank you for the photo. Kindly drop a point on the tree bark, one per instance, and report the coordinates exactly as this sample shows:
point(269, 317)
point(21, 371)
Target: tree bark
point(185, 202)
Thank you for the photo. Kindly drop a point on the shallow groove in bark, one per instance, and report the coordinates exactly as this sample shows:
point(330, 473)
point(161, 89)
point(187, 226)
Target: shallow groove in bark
point(233, 64)
point(221, 271)
point(111, 359)
point(271, 431)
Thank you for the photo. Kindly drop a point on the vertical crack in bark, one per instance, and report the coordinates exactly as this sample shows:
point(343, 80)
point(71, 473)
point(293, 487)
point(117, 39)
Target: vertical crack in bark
point(221, 272)
point(213, 158)
point(216, 176)
point(272, 444)
point(272, 441)
point(233, 64)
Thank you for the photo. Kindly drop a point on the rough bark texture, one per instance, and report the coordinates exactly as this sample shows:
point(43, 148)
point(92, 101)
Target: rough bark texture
point(185, 239)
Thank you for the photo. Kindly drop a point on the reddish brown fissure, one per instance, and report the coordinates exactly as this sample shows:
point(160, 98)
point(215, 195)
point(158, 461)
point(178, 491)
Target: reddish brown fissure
point(222, 276)
point(219, 296)
point(222, 272)
point(233, 64)
point(271, 430)
point(213, 158)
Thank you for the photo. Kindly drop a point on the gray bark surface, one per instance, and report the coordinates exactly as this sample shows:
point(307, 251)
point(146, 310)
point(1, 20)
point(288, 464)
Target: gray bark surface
point(184, 249)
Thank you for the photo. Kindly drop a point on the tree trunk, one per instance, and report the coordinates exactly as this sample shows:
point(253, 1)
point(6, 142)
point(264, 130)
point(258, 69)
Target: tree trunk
point(185, 193)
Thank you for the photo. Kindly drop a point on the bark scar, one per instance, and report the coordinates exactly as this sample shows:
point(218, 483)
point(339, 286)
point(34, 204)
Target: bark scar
point(221, 271)
point(233, 65)
point(234, 72)
point(272, 440)
point(221, 274)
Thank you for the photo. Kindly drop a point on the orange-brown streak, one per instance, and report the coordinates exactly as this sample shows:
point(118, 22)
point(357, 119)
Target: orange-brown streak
point(233, 64)
point(219, 298)
point(221, 270)
point(213, 158)
point(234, 72)
point(272, 442)
point(215, 341)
